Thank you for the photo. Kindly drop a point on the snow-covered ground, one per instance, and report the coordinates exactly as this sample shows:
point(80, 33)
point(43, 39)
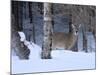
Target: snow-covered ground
point(61, 60)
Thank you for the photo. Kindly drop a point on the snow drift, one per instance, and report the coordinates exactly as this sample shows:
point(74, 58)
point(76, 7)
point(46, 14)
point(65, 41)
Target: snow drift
point(61, 60)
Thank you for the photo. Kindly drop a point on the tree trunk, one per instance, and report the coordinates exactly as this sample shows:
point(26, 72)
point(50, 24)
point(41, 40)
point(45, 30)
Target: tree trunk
point(20, 15)
point(31, 16)
point(16, 12)
point(47, 41)
point(30, 12)
point(84, 38)
point(70, 22)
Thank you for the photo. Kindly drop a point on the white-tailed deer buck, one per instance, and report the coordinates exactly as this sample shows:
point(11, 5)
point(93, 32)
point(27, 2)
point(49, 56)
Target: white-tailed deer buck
point(61, 40)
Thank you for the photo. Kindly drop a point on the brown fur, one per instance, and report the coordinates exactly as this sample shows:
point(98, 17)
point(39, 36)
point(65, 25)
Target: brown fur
point(61, 40)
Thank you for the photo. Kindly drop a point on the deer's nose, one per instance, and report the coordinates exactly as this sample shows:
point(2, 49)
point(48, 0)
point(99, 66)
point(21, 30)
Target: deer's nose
point(76, 31)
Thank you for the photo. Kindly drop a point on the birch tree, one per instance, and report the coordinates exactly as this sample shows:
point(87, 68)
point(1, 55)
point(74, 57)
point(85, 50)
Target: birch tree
point(47, 41)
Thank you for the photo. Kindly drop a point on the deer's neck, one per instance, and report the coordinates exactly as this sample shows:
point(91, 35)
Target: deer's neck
point(73, 36)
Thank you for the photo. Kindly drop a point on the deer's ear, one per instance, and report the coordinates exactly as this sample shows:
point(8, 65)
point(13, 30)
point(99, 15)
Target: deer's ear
point(79, 26)
point(73, 26)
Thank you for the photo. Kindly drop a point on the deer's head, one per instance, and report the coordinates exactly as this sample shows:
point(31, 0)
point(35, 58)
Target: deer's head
point(75, 29)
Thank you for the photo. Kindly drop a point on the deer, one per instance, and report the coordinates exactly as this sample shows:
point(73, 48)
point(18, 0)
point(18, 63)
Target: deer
point(61, 40)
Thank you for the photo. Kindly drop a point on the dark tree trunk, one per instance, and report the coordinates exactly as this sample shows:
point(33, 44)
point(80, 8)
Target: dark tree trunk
point(40, 7)
point(15, 11)
point(70, 22)
point(20, 4)
point(31, 16)
point(30, 12)
point(84, 38)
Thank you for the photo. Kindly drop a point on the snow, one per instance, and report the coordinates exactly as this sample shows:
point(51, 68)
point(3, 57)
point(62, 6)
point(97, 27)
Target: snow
point(22, 35)
point(61, 60)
